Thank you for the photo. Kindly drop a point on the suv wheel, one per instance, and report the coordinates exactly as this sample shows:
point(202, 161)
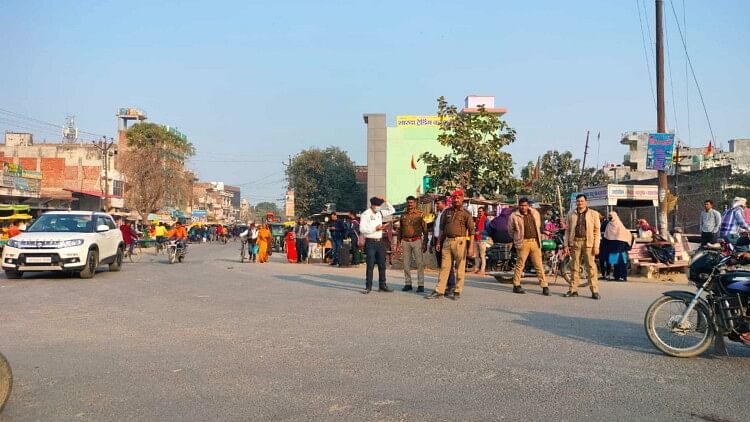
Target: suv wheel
point(116, 265)
point(13, 274)
point(92, 261)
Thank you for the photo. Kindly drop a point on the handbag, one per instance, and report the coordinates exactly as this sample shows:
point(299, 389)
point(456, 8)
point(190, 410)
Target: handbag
point(255, 249)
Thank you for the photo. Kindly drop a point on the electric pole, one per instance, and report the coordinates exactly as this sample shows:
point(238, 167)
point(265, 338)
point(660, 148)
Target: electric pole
point(661, 119)
point(104, 148)
point(583, 164)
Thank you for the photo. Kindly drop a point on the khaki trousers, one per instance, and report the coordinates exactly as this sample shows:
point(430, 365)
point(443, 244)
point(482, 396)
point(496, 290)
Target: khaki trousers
point(579, 253)
point(454, 249)
point(409, 249)
point(530, 248)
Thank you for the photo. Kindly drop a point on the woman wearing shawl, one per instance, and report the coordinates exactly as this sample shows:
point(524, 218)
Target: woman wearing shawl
point(264, 236)
point(618, 239)
point(291, 246)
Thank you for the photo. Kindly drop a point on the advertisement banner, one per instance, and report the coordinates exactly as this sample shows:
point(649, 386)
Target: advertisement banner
point(660, 150)
point(418, 121)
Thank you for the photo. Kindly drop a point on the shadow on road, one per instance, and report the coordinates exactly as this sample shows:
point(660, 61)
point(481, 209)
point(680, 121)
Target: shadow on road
point(307, 279)
point(617, 334)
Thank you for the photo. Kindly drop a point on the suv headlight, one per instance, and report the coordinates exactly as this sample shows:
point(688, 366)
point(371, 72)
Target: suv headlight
point(13, 243)
point(71, 243)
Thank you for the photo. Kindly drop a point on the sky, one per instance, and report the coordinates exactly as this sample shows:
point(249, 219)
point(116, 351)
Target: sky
point(251, 83)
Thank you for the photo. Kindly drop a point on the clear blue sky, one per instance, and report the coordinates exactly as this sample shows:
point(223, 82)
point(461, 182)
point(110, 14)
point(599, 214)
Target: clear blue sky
point(251, 82)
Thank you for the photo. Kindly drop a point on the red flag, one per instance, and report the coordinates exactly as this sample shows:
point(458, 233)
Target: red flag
point(413, 163)
point(709, 150)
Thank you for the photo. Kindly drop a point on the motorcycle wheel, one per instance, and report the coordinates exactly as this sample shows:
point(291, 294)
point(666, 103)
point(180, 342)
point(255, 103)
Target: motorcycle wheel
point(567, 273)
point(6, 381)
point(691, 340)
point(172, 256)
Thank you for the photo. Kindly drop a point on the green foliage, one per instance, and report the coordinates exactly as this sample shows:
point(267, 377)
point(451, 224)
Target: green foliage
point(153, 164)
point(320, 176)
point(558, 169)
point(265, 207)
point(150, 136)
point(477, 162)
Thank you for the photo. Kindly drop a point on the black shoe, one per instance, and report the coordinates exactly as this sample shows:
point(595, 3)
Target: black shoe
point(545, 291)
point(519, 290)
point(420, 289)
point(456, 296)
point(435, 295)
point(366, 291)
point(407, 288)
point(595, 296)
point(570, 294)
point(385, 289)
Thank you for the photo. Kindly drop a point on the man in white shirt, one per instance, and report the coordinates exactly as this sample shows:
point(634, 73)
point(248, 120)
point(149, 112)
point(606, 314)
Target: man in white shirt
point(371, 227)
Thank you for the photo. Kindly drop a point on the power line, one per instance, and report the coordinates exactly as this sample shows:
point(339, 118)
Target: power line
point(692, 71)
point(41, 123)
point(687, 78)
point(671, 80)
point(645, 51)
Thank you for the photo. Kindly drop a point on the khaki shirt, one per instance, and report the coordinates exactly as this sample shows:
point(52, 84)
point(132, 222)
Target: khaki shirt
point(413, 225)
point(456, 223)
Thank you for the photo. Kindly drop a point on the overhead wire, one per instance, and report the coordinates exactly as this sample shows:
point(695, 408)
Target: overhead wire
point(645, 51)
point(671, 80)
point(687, 77)
point(692, 71)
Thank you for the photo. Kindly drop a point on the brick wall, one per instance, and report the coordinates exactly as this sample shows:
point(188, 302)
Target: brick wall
point(53, 173)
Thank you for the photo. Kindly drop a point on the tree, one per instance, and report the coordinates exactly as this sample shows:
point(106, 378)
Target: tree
point(154, 168)
point(554, 169)
point(262, 208)
point(320, 176)
point(477, 162)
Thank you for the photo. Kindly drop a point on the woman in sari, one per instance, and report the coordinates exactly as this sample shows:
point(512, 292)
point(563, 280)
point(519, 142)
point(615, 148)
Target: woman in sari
point(291, 247)
point(264, 236)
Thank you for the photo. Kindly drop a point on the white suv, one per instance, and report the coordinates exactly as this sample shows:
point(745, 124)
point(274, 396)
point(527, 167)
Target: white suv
point(76, 241)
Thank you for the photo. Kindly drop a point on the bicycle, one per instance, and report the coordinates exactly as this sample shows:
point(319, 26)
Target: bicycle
point(137, 253)
point(6, 381)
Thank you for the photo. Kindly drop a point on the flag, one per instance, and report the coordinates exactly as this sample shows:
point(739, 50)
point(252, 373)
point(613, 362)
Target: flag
point(709, 152)
point(413, 163)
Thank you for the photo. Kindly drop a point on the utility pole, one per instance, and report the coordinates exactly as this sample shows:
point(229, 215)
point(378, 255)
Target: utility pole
point(583, 164)
point(104, 148)
point(661, 117)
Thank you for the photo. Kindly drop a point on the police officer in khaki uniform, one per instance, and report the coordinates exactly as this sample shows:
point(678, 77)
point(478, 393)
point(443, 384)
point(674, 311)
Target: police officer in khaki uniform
point(582, 238)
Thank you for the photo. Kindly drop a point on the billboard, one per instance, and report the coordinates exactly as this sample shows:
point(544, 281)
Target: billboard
point(660, 150)
point(418, 121)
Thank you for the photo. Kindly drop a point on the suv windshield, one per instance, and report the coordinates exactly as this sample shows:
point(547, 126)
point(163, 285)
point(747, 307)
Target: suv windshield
point(63, 223)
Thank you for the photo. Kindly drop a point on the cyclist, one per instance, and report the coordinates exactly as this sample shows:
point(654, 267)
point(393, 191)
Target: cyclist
point(129, 236)
point(160, 234)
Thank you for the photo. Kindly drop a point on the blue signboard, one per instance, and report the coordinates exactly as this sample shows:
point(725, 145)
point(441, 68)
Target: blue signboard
point(660, 150)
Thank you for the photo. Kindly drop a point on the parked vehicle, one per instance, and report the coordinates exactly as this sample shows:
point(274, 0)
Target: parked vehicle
point(557, 263)
point(73, 241)
point(176, 251)
point(683, 324)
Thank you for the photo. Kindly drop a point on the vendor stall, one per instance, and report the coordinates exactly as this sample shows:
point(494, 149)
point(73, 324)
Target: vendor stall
point(621, 198)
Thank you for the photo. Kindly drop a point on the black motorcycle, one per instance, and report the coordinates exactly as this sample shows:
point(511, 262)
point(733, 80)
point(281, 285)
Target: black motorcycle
point(683, 324)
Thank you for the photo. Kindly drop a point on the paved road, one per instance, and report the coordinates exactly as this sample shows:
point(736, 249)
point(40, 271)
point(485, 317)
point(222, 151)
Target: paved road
point(212, 339)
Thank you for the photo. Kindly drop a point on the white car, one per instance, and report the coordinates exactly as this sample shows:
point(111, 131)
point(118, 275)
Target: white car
point(74, 241)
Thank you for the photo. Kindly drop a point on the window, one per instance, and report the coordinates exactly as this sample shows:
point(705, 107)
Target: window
point(69, 223)
point(117, 187)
